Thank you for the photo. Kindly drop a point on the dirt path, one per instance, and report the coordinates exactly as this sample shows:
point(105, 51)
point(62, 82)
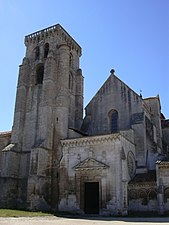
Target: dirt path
point(51, 220)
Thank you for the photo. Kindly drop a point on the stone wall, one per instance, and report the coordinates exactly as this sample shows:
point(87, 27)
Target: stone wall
point(162, 168)
point(103, 159)
point(5, 138)
point(155, 111)
point(113, 95)
point(165, 132)
point(142, 194)
point(53, 155)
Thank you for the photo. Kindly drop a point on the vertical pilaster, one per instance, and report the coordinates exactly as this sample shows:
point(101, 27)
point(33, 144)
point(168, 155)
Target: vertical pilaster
point(20, 105)
point(61, 120)
point(44, 128)
point(160, 191)
point(79, 99)
point(62, 98)
point(124, 201)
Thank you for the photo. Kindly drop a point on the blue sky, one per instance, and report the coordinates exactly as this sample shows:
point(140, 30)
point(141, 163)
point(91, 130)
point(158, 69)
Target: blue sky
point(131, 36)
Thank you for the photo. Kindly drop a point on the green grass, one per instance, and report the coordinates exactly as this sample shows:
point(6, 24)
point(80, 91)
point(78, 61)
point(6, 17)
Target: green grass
point(20, 213)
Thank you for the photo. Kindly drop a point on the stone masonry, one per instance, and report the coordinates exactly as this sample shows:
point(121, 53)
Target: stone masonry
point(114, 161)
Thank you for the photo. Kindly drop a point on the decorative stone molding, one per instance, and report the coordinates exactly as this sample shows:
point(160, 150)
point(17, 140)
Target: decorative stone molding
point(163, 164)
point(142, 185)
point(90, 140)
point(90, 164)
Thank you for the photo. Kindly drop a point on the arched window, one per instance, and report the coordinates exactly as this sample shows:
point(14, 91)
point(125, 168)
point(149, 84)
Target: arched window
point(37, 53)
point(143, 196)
point(152, 195)
point(39, 74)
point(113, 115)
point(132, 194)
point(71, 60)
point(166, 195)
point(70, 81)
point(46, 50)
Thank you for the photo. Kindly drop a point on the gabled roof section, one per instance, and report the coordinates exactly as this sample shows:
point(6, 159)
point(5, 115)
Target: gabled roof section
point(113, 78)
point(89, 164)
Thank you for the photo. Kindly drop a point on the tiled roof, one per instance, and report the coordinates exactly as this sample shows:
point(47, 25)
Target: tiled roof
point(5, 133)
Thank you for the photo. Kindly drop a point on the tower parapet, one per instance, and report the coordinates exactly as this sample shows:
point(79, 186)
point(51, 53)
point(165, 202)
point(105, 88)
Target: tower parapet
point(57, 30)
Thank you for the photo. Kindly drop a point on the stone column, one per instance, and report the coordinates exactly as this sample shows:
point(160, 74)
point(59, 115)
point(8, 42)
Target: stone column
point(124, 204)
point(160, 198)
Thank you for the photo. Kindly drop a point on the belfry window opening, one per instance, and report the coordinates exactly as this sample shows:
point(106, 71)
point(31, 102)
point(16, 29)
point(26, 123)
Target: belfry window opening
point(37, 53)
point(39, 74)
point(46, 50)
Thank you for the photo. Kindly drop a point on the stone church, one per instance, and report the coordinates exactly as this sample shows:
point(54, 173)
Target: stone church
point(112, 161)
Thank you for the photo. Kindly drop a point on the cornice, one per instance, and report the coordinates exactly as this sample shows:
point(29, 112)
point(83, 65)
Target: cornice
point(84, 141)
point(141, 184)
point(163, 164)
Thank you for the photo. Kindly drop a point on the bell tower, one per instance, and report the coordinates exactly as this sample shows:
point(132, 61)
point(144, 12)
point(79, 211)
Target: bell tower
point(50, 87)
point(49, 100)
